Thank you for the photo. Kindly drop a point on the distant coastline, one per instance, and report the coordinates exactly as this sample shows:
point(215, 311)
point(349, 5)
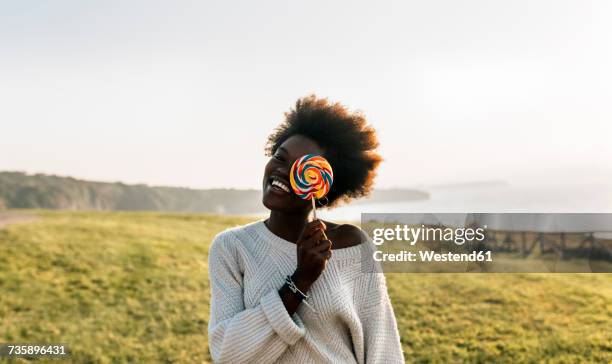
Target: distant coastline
point(19, 190)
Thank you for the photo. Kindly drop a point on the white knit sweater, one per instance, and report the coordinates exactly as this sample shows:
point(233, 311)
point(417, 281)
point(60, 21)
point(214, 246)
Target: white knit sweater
point(353, 322)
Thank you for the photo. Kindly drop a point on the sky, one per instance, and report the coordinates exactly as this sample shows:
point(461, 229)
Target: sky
point(185, 93)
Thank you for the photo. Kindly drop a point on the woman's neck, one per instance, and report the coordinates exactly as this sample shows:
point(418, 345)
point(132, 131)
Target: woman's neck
point(287, 226)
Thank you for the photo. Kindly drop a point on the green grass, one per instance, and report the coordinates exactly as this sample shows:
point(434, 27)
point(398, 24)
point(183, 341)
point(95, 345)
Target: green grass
point(133, 287)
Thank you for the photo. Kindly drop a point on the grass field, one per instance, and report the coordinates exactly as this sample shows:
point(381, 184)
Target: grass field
point(133, 287)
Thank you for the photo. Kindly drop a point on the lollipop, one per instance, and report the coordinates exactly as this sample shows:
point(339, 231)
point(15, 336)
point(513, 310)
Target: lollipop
point(311, 178)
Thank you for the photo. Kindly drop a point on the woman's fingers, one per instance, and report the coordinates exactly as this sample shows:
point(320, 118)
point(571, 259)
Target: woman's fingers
point(317, 244)
point(312, 227)
point(321, 252)
point(314, 239)
point(324, 245)
point(324, 249)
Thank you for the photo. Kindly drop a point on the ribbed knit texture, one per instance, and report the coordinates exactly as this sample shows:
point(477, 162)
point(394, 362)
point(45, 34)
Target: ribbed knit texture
point(354, 322)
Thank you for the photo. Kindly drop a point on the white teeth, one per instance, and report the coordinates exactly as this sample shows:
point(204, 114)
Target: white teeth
point(280, 185)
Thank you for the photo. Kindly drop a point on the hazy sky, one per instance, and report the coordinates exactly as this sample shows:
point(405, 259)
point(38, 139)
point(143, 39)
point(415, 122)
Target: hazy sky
point(184, 93)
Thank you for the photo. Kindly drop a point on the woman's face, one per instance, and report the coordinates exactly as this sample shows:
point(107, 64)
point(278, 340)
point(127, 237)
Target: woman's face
point(282, 198)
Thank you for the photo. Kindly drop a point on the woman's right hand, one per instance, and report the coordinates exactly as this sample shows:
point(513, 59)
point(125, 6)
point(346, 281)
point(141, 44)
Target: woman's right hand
point(313, 251)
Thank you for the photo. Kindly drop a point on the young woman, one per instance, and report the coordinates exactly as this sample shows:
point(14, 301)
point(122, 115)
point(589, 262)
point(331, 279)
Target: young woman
point(286, 289)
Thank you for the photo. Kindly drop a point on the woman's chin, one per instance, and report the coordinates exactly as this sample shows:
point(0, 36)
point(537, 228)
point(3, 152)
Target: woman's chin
point(274, 202)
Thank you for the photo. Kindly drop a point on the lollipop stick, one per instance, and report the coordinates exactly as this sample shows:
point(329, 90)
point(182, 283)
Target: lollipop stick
point(314, 211)
point(314, 208)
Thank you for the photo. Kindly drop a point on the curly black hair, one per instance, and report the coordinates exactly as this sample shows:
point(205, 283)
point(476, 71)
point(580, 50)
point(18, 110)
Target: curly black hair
point(348, 140)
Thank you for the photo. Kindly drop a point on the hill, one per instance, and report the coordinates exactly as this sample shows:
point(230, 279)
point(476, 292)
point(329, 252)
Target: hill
point(19, 190)
point(133, 287)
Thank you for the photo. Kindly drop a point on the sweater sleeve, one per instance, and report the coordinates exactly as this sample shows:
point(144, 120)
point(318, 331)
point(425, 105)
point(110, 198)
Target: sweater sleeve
point(381, 336)
point(236, 334)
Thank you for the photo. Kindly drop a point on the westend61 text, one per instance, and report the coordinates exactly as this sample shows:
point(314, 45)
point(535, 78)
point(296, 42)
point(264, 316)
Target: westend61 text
point(431, 256)
point(413, 234)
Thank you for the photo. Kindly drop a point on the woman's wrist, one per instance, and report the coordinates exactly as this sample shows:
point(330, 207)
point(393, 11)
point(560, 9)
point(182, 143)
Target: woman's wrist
point(302, 283)
point(292, 299)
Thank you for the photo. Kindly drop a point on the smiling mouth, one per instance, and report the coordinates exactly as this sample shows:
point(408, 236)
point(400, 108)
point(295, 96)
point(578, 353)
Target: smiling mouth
point(279, 185)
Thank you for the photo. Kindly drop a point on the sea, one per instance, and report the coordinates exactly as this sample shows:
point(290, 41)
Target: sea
point(496, 198)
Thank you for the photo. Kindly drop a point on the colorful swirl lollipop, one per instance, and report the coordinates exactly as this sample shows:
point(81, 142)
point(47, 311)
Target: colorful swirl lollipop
point(311, 177)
